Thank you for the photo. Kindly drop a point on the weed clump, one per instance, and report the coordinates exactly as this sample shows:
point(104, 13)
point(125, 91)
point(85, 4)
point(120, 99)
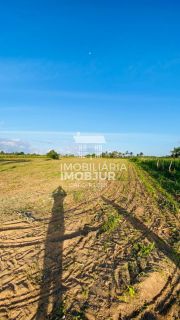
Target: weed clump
point(143, 250)
point(111, 223)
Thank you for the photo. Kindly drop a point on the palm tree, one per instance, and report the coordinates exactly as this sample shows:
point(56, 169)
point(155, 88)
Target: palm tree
point(131, 153)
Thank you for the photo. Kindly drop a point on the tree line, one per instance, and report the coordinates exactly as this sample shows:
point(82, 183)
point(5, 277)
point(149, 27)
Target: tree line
point(52, 154)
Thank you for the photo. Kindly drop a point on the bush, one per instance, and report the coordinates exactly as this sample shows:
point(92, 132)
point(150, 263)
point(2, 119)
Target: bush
point(52, 154)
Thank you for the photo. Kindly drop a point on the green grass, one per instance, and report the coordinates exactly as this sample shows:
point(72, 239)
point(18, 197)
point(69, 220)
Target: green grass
point(166, 171)
point(161, 178)
point(4, 157)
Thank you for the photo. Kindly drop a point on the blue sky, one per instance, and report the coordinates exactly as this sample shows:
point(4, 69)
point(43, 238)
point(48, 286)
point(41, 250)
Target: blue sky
point(110, 67)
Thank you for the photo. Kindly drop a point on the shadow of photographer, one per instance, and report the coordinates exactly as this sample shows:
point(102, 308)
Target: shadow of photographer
point(51, 285)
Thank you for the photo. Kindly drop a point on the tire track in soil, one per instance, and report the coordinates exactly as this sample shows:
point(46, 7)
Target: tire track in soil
point(86, 268)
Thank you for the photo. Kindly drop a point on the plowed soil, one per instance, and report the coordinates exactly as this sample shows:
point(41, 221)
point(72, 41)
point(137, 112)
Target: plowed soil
point(59, 260)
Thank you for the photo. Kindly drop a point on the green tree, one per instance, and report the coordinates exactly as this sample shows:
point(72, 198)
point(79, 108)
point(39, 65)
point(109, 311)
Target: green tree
point(176, 152)
point(114, 154)
point(52, 154)
point(21, 153)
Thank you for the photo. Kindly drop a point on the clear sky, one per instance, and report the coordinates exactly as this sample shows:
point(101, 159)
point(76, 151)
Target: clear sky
point(101, 66)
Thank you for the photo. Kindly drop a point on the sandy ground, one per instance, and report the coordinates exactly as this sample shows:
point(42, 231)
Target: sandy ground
point(58, 261)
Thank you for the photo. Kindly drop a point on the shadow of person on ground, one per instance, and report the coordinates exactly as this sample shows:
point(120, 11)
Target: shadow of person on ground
point(148, 316)
point(51, 283)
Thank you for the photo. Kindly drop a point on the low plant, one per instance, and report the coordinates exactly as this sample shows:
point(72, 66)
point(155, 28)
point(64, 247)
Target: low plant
point(143, 250)
point(85, 293)
point(131, 291)
point(111, 222)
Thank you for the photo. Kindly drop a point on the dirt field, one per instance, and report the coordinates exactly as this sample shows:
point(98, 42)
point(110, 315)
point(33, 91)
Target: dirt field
point(84, 250)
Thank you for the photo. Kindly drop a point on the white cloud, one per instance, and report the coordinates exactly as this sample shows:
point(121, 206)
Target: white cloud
point(14, 145)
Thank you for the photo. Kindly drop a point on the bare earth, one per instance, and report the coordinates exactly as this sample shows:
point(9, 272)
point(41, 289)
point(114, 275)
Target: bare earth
point(58, 262)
